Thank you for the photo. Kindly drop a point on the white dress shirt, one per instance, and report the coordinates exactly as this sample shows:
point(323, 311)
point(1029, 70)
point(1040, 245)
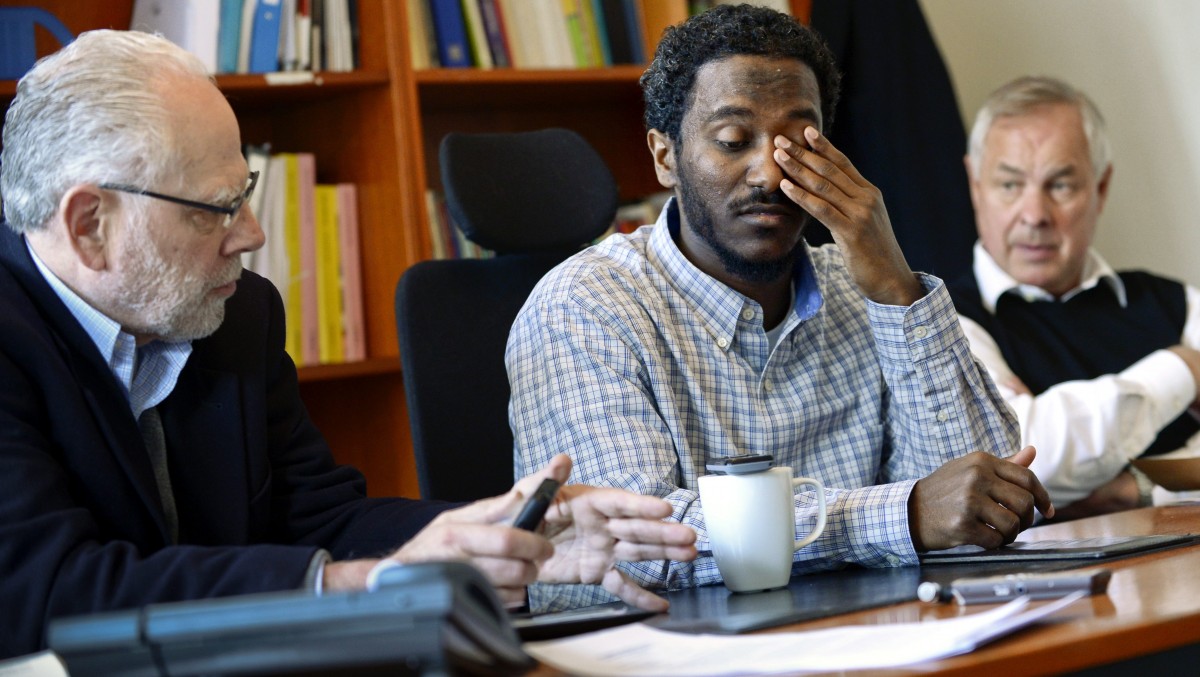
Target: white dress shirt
point(1087, 431)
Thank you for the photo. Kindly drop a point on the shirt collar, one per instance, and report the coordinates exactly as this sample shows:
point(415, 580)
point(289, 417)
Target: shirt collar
point(994, 282)
point(718, 305)
point(146, 381)
point(103, 330)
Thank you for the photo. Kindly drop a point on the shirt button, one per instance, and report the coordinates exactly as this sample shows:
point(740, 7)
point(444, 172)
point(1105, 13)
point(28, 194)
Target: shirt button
point(920, 332)
point(942, 417)
point(768, 386)
point(893, 560)
point(747, 314)
point(723, 342)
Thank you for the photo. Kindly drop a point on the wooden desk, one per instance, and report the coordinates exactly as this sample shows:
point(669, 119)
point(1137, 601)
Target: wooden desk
point(1152, 606)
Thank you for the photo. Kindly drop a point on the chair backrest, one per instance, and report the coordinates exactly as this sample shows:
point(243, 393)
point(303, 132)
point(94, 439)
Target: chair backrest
point(534, 198)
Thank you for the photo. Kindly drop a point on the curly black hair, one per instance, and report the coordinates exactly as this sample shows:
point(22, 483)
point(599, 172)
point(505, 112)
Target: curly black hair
point(723, 31)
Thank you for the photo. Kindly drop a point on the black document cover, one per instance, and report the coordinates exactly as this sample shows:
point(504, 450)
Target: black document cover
point(1096, 548)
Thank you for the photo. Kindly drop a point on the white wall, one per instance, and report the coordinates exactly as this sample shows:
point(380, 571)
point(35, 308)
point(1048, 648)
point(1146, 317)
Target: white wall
point(1140, 61)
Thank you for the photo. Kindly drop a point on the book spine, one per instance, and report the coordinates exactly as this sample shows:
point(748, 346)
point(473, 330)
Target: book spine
point(310, 339)
point(481, 54)
point(451, 33)
point(292, 293)
point(229, 36)
point(595, 11)
point(264, 41)
point(329, 287)
point(637, 32)
point(493, 25)
point(573, 19)
point(354, 337)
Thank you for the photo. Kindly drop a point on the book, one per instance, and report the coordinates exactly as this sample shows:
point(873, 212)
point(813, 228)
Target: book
point(287, 167)
point(437, 238)
point(451, 33)
point(310, 337)
point(636, 25)
point(304, 31)
point(573, 18)
point(337, 36)
point(249, 10)
point(328, 274)
point(264, 39)
point(481, 54)
point(493, 26)
point(595, 12)
point(524, 50)
point(552, 33)
point(593, 58)
point(192, 24)
point(258, 159)
point(229, 36)
point(353, 35)
point(316, 40)
point(420, 36)
point(286, 58)
point(354, 338)
point(617, 32)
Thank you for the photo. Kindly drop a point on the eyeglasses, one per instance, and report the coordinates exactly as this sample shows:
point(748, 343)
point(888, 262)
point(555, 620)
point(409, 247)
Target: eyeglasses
point(230, 210)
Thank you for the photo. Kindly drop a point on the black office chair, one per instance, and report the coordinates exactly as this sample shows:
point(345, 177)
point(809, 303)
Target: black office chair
point(534, 198)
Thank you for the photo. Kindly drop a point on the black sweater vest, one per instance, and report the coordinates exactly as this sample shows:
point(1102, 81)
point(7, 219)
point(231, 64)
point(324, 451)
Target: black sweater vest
point(1090, 335)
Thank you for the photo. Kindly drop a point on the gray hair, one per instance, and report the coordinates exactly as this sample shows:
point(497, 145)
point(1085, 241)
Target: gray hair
point(92, 112)
point(1024, 94)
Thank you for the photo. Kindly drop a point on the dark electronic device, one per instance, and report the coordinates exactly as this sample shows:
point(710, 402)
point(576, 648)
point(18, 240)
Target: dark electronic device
point(741, 465)
point(422, 619)
point(535, 508)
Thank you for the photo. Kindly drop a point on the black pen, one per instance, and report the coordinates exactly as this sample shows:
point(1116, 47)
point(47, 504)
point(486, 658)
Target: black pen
point(535, 508)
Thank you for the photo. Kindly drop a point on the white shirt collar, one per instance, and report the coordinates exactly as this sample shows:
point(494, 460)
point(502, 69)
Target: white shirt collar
point(993, 281)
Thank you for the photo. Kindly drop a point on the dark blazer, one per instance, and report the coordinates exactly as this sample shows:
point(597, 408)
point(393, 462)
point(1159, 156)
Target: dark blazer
point(257, 491)
point(898, 122)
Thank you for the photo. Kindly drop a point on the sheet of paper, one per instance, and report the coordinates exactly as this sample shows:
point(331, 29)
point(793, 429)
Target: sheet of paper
point(42, 664)
point(643, 651)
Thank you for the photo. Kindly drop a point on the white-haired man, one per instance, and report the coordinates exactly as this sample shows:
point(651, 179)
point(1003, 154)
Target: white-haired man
point(1100, 366)
point(151, 431)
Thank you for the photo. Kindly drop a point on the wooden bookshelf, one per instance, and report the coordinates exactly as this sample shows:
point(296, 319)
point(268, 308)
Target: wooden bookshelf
point(379, 127)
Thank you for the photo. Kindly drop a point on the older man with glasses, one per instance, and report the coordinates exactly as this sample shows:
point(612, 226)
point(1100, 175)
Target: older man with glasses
point(152, 436)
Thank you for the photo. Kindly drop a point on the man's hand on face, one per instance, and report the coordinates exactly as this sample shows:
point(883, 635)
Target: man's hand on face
point(977, 499)
point(586, 531)
point(826, 185)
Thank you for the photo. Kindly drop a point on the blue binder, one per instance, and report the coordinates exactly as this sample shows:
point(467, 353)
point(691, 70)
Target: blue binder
point(264, 38)
point(229, 35)
point(453, 51)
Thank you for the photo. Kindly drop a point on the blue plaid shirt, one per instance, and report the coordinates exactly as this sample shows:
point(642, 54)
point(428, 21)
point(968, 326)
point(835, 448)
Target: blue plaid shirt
point(642, 368)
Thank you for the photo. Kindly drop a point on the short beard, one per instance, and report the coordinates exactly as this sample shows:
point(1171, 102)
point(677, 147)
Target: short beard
point(167, 302)
point(701, 221)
